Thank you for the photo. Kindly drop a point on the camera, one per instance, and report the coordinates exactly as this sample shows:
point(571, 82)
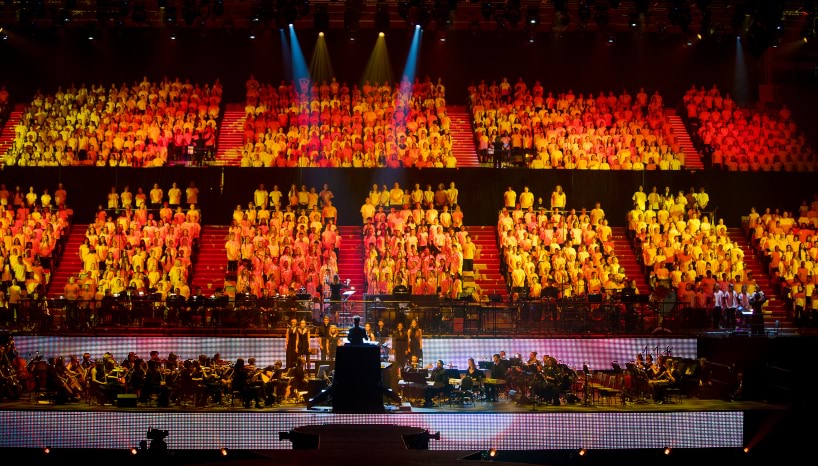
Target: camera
point(156, 434)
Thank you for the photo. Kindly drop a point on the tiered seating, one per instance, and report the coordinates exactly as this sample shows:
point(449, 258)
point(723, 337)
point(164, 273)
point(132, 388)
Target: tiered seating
point(34, 228)
point(572, 251)
point(275, 252)
point(137, 251)
point(541, 130)
point(308, 124)
point(146, 124)
point(680, 248)
point(787, 245)
point(740, 139)
point(423, 248)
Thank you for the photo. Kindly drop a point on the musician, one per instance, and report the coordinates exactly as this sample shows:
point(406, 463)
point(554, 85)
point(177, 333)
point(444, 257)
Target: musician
point(336, 286)
point(400, 345)
point(291, 342)
point(667, 378)
point(190, 382)
point(298, 378)
point(240, 381)
point(323, 338)
point(547, 380)
point(303, 341)
point(533, 365)
point(370, 333)
point(498, 371)
point(154, 382)
point(104, 382)
point(440, 383)
point(473, 372)
point(275, 388)
point(415, 338)
point(10, 386)
point(757, 300)
point(356, 335)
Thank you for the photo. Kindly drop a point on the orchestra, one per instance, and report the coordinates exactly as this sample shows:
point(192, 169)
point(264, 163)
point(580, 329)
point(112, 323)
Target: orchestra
point(204, 381)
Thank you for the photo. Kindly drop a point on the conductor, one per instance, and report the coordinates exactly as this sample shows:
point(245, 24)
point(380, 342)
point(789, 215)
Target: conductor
point(356, 334)
point(336, 287)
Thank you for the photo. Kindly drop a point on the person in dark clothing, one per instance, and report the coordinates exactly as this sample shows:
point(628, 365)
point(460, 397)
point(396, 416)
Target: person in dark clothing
point(499, 369)
point(356, 334)
point(440, 383)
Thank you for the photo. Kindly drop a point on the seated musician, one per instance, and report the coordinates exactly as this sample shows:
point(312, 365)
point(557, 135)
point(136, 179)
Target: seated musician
point(275, 383)
point(668, 378)
point(440, 383)
point(255, 384)
point(499, 369)
point(154, 383)
point(548, 381)
point(298, 378)
point(190, 382)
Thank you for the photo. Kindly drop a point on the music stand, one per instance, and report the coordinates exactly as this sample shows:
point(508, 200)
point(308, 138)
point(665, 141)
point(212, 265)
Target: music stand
point(639, 383)
point(345, 315)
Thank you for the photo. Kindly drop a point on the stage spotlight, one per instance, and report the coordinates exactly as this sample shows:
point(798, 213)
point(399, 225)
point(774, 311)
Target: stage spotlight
point(492, 452)
point(223, 451)
point(320, 34)
point(746, 450)
point(172, 36)
point(582, 452)
point(252, 35)
point(533, 14)
point(47, 450)
point(442, 36)
point(667, 451)
point(134, 451)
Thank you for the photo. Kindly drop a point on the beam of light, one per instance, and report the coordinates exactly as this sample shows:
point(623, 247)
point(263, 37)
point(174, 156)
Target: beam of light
point(741, 88)
point(408, 75)
point(379, 68)
point(412, 58)
point(320, 64)
point(301, 74)
point(286, 58)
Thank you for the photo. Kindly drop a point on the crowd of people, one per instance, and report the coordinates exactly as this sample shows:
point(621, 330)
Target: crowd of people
point(163, 382)
point(418, 245)
point(556, 252)
point(312, 124)
point(280, 246)
point(742, 139)
point(682, 251)
point(145, 124)
point(34, 228)
point(787, 245)
point(607, 132)
point(139, 245)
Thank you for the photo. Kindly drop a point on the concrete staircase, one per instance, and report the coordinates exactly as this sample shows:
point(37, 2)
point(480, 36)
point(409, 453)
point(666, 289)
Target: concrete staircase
point(462, 134)
point(774, 308)
point(486, 277)
point(7, 134)
point(70, 264)
point(628, 260)
point(211, 265)
point(693, 160)
point(231, 136)
point(351, 259)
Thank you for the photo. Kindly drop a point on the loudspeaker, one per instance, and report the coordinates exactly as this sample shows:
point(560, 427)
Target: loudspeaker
point(126, 400)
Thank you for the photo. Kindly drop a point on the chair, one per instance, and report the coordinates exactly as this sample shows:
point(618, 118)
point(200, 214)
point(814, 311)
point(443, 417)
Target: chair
point(44, 384)
point(464, 394)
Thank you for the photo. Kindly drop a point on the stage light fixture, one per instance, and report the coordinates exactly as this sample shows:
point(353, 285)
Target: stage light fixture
point(582, 452)
point(667, 451)
point(172, 36)
point(533, 14)
point(492, 452)
point(134, 451)
point(252, 35)
point(47, 450)
point(746, 449)
point(223, 451)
